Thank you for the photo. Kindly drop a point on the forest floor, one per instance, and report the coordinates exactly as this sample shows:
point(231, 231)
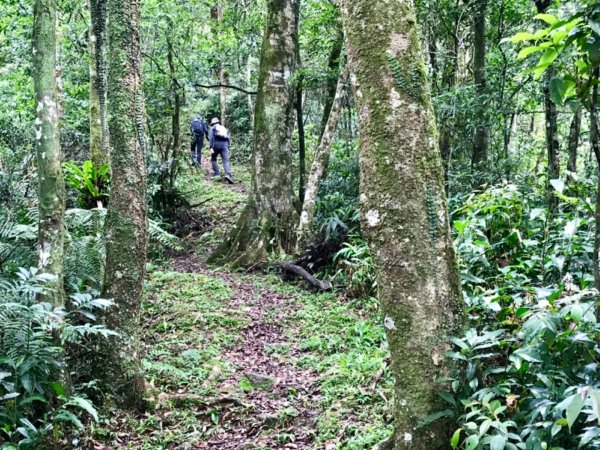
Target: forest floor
point(240, 360)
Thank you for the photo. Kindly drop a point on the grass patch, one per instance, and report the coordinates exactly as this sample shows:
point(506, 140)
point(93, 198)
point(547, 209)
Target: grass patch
point(346, 345)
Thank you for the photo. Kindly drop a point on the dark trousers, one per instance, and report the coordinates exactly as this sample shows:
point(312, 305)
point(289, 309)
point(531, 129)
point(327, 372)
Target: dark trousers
point(224, 152)
point(196, 147)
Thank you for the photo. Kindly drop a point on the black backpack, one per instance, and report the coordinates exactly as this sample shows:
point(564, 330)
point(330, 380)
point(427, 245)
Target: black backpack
point(198, 126)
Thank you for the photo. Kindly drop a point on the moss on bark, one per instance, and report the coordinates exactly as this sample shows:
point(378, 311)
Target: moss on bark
point(51, 188)
point(118, 363)
point(403, 210)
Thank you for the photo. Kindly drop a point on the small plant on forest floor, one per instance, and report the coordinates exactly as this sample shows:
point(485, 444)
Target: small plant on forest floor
point(33, 336)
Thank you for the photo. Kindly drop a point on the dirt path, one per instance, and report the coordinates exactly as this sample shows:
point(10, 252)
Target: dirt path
point(279, 407)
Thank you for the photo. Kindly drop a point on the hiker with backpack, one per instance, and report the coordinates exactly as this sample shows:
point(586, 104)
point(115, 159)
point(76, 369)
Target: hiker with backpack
point(199, 130)
point(219, 145)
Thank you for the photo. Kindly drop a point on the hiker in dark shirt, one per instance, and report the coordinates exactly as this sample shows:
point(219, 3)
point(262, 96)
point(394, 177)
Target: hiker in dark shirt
point(199, 130)
point(219, 145)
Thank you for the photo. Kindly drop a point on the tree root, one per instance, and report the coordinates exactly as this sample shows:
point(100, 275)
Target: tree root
point(301, 272)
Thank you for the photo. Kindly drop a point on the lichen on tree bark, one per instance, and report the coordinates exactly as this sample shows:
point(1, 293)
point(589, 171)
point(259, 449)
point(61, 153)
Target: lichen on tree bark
point(126, 221)
point(403, 210)
point(51, 188)
point(98, 72)
point(267, 224)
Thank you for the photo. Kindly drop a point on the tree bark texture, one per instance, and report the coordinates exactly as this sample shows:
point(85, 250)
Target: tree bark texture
point(481, 138)
point(126, 221)
point(403, 210)
point(319, 165)
point(595, 141)
point(574, 132)
point(333, 74)
point(552, 145)
point(301, 139)
point(51, 187)
point(267, 224)
point(216, 14)
point(98, 73)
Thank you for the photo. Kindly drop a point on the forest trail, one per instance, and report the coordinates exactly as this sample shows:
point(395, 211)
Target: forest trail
point(280, 395)
point(240, 360)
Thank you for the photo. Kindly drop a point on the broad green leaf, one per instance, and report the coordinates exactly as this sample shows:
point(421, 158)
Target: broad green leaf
point(595, 400)
point(472, 442)
point(86, 405)
point(524, 53)
point(573, 405)
point(548, 18)
point(595, 26)
point(455, 438)
point(522, 36)
point(548, 57)
point(556, 90)
point(498, 442)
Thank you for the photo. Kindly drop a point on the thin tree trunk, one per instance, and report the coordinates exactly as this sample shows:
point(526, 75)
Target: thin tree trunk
point(551, 121)
point(574, 133)
point(267, 224)
point(176, 116)
point(481, 138)
point(404, 212)
point(248, 84)
point(126, 222)
point(552, 145)
point(51, 188)
point(216, 14)
point(301, 138)
point(318, 169)
point(333, 73)
point(97, 51)
point(595, 141)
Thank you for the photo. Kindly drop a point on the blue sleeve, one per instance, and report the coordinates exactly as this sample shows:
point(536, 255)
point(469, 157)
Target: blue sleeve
point(211, 137)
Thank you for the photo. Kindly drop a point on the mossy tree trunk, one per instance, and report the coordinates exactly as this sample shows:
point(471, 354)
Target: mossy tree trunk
point(318, 169)
point(481, 137)
point(126, 222)
point(403, 211)
point(98, 73)
point(267, 224)
point(51, 187)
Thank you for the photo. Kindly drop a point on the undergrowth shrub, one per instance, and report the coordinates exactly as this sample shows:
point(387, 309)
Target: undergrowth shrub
point(530, 375)
point(37, 409)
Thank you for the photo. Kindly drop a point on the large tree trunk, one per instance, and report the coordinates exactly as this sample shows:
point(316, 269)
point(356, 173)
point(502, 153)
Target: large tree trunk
point(51, 187)
point(404, 212)
point(268, 221)
point(318, 169)
point(480, 141)
point(126, 222)
point(98, 73)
